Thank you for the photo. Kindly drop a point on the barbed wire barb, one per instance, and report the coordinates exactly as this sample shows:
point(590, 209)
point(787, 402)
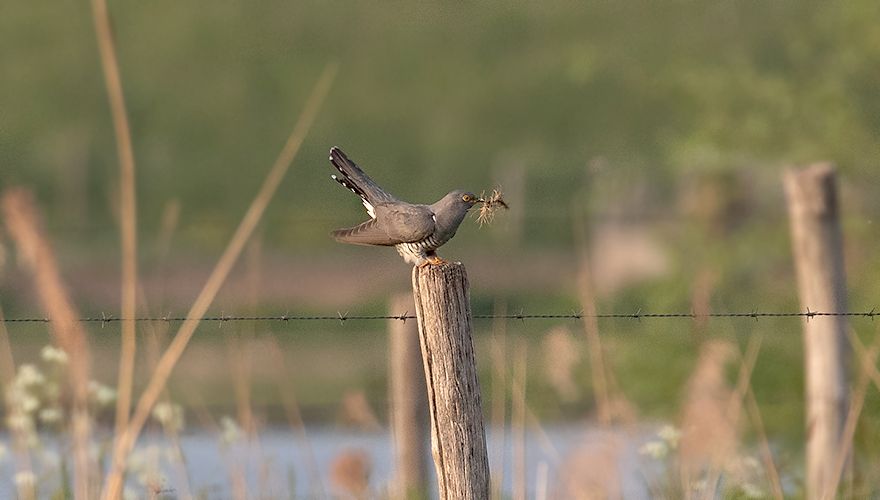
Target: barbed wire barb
point(638, 315)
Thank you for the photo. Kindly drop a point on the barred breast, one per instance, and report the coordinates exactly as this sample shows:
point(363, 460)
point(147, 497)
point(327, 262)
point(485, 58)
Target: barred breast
point(416, 252)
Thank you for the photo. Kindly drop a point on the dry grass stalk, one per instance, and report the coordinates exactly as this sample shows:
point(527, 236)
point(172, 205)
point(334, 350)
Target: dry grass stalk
point(355, 411)
point(23, 223)
point(542, 481)
point(766, 454)
point(518, 420)
point(544, 440)
point(593, 471)
point(7, 363)
point(591, 324)
point(561, 355)
point(490, 206)
point(743, 392)
point(294, 415)
point(238, 344)
point(239, 354)
point(235, 469)
point(709, 436)
point(596, 353)
point(499, 393)
point(734, 405)
point(128, 208)
point(868, 358)
point(125, 442)
point(861, 352)
point(744, 378)
point(350, 474)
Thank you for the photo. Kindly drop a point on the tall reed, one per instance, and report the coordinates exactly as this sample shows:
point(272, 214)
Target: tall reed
point(24, 225)
point(127, 208)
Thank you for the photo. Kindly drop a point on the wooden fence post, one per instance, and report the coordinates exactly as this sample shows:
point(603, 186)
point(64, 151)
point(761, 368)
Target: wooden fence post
point(458, 441)
point(408, 404)
point(818, 252)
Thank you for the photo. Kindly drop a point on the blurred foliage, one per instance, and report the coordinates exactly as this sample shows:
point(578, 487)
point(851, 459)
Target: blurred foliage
point(677, 107)
point(429, 97)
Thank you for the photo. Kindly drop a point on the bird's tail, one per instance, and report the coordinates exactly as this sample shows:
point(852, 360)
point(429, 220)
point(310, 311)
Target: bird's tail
point(356, 179)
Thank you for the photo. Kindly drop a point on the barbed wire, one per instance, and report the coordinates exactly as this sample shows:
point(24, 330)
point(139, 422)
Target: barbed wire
point(521, 316)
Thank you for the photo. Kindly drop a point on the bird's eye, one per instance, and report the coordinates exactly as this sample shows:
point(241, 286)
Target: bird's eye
point(466, 197)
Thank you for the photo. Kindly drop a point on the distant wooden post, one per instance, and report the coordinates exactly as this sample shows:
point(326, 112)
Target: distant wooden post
point(458, 441)
point(408, 404)
point(818, 252)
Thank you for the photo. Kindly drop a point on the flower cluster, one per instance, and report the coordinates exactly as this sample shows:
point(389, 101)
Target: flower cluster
point(169, 415)
point(660, 448)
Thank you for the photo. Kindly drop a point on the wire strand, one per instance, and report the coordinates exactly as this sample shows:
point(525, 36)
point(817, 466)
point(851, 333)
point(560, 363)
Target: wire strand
point(343, 317)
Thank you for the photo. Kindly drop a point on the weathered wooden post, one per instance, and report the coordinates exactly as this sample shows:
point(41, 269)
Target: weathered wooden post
point(408, 404)
point(458, 441)
point(818, 252)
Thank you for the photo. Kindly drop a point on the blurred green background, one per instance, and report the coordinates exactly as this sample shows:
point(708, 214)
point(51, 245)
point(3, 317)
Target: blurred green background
point(658, 130)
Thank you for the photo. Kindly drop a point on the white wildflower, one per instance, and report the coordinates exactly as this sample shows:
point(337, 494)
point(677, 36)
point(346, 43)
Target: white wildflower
point(29, 376)
point(670, 434)
point(751, 462)
point(28, 403)
point(19, 422)
point(50, 415)
point(136, 462)
point(144, 466)
point(25, 483)
point(170, 415)
point(155, 481)
point(101, 394)
point(53, 355)
point(230, 432)
point(654, 449)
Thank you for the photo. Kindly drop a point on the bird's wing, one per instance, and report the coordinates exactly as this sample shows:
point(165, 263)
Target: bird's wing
point(394, 223)
point(358, 182)
point(365, 233)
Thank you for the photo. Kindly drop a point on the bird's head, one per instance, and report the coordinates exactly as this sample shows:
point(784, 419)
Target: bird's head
point(462, 199)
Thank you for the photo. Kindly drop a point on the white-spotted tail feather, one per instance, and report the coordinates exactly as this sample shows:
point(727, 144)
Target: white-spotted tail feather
point(354, 189)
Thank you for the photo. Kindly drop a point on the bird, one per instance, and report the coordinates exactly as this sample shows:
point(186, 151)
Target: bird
point(415, 230)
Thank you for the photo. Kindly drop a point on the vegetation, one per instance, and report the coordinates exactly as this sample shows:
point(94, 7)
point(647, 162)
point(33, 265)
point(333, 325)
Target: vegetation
point(654, 128)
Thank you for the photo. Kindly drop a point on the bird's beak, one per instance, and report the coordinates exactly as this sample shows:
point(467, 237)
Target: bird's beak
point(480, 200)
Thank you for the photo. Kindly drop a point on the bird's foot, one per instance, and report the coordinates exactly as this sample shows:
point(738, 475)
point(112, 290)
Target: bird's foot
point(432, 260)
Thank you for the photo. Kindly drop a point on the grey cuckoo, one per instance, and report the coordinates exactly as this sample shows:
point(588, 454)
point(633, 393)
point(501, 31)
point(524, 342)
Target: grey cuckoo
point(416, 231)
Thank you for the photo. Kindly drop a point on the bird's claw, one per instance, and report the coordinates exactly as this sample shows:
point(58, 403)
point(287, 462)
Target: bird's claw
point(432, 261)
